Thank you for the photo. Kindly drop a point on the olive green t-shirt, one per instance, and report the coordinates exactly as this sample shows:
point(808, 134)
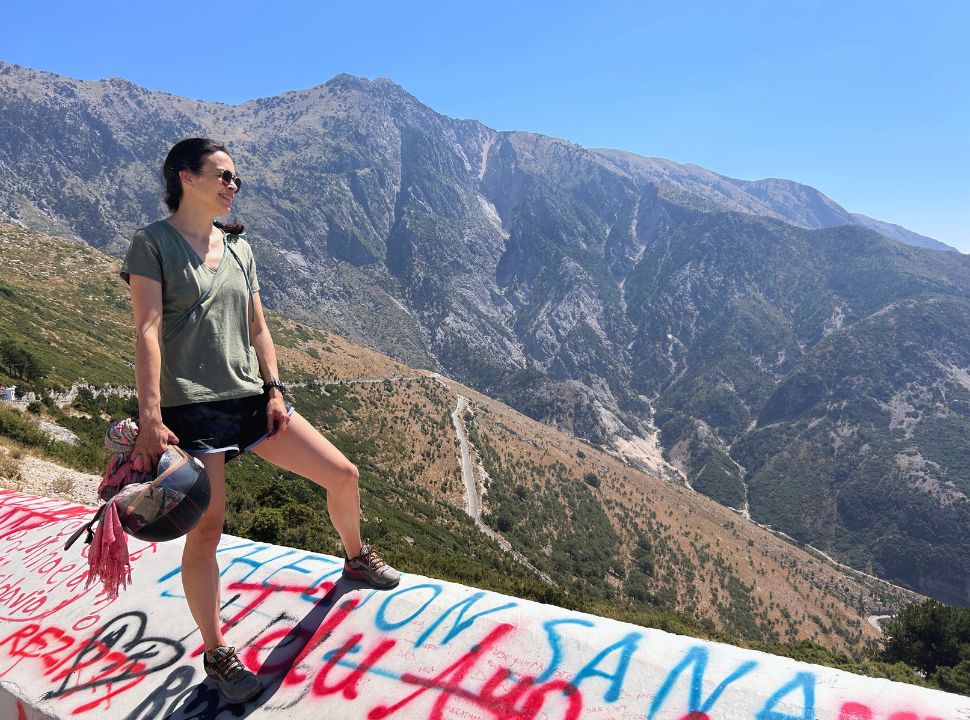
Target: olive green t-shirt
point(206, 354)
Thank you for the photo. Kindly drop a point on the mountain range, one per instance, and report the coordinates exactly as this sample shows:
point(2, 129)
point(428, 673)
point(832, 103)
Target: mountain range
point(800, 363)
point(561, 522)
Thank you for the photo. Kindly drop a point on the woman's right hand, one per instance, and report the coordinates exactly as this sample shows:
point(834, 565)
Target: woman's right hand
point(153, 440)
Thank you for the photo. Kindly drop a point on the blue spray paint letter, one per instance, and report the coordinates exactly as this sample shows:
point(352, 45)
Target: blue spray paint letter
point(697, 656)
point(627, 645)
point(381, 621)
point(460, 623)
point(550, 627)
point(803, 680)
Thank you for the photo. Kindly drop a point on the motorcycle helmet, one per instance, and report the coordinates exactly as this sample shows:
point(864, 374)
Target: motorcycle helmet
point(168, 506)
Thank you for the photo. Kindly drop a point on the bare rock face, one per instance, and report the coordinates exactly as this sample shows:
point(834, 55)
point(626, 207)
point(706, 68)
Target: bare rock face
point(759, 326)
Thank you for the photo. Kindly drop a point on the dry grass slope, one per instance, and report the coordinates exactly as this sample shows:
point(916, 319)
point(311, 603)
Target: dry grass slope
point(634, 540)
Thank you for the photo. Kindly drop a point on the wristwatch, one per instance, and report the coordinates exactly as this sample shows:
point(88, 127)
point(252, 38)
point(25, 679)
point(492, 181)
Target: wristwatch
point(278, 384)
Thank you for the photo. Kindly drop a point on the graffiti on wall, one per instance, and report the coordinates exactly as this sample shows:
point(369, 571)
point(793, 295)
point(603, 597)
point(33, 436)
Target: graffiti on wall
point(424, 650)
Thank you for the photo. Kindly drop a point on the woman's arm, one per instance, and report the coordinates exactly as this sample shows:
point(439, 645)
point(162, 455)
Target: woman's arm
point(153, 436)
point(277, 418)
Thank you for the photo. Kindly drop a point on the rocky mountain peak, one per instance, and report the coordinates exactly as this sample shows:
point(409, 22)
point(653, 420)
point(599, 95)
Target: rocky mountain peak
point(626, 298)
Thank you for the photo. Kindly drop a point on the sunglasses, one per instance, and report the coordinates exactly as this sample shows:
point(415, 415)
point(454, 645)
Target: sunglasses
point(227, 177)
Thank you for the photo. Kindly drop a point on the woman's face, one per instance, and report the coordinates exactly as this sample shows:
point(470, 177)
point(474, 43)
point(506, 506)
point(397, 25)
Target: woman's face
point(209, 187)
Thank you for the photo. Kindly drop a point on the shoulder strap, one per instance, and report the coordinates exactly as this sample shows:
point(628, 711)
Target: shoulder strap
point(249, 285)
point(86, 526)
point(205, 295)
point(188, 311)
point(180, 321)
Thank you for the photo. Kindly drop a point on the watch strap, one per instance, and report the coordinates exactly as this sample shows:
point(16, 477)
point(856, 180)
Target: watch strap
point(278, 384)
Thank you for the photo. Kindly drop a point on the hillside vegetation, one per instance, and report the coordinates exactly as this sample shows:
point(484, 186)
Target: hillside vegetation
point(598, 534)
point(777, 346)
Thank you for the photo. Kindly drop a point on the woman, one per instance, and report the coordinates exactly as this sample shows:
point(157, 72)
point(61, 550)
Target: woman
point(205, 367)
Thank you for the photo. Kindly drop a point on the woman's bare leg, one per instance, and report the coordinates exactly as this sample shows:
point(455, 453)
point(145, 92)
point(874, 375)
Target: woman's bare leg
point(304, 451)
point(200, 578)
point(200, 571)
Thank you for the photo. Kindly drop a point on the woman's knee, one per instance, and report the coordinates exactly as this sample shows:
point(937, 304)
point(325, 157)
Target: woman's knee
point(204, 538)
point(344, 477)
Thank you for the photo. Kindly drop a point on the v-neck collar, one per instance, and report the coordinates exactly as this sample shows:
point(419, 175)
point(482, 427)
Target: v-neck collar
point(188, 246)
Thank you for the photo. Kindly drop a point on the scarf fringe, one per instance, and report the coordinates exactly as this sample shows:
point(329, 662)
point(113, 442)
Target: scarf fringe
point(108, 559)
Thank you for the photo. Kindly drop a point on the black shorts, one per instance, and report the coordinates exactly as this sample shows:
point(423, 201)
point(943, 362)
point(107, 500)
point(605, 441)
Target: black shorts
point(230, 426)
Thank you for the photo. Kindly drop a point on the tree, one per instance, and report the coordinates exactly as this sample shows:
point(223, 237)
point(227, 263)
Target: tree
point(20, 362)
point(928, 636)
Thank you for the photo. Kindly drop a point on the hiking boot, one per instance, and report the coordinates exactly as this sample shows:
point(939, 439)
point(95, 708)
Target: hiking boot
point(369, 567)
point(233, 681)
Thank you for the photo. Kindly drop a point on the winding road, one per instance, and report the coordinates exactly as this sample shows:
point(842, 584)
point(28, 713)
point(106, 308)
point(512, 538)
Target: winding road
point(473, 504)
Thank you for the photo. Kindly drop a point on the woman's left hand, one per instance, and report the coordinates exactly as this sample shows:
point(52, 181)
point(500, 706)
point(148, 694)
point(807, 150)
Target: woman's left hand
point(277, 419)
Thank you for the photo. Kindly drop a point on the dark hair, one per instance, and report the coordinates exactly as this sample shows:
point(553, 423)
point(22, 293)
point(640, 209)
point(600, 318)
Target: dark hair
point(190, 154)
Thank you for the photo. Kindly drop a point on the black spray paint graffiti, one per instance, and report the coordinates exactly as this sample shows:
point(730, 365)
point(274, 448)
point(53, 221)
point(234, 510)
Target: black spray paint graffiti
point(185, 699)
point(178, 698)
point(119, 655)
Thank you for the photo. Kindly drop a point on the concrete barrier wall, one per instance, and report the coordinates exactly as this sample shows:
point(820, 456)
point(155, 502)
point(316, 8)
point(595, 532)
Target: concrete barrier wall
point(328, 649)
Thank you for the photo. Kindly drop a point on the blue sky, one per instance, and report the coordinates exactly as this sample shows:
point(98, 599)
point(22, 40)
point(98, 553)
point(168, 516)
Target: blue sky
point(867, 101)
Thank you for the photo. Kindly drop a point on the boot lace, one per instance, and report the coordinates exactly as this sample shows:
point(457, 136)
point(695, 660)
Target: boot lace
point(225, 661)
point(369, 555)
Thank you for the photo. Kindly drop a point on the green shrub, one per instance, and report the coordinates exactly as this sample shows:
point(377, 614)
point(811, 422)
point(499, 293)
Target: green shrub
point(954, 679)
point(14, 425)
point(267, 525)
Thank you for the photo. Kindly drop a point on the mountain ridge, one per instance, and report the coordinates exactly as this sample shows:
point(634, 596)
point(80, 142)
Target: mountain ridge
point(600, 528)
point(343, 81)
point(829, 213)
point(591, 297)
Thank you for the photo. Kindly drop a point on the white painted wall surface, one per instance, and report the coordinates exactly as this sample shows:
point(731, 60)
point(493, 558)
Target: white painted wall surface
point(327, 649)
